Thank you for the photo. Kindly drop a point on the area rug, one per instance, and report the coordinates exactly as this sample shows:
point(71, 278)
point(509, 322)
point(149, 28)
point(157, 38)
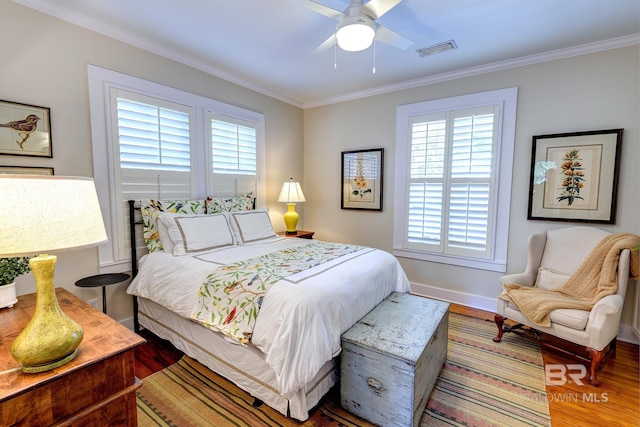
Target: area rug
point(481, 384)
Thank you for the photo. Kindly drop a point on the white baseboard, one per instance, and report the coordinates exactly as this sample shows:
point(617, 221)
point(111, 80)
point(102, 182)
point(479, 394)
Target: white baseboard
point(469, 300)
point(625, 334)
point(127, 323)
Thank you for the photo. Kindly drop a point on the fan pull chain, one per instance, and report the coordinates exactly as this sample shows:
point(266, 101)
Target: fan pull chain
point(374, 56)
point(335, 56)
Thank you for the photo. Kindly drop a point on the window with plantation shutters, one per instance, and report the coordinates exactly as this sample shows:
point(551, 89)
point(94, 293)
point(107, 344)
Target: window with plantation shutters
point(152, 137)
point(233, 154)
point(233, 146)
point(453, 167)
point(153, 147)
point(152, 141)
point(152, 153)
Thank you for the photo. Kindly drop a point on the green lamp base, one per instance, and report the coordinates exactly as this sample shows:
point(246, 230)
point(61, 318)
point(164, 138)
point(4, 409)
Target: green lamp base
point(51, 338)
point(51, 365)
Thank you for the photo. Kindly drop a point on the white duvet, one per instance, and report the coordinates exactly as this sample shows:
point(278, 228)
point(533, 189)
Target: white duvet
point(302, 317)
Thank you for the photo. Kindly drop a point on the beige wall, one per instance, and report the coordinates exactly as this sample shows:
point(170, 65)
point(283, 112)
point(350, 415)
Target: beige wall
point(590, 92)
point(45, 64)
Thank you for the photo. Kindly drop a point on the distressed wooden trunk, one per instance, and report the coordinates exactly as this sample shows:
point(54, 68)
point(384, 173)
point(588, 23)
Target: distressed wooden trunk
point(391, 359)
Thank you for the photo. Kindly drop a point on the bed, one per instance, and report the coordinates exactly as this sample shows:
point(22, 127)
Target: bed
point(264, 311)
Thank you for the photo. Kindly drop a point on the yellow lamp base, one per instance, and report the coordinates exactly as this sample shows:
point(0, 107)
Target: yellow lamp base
point(51, 338)
point(291, 218)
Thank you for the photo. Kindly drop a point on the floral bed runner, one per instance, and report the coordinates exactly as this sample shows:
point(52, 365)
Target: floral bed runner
point(230, 298)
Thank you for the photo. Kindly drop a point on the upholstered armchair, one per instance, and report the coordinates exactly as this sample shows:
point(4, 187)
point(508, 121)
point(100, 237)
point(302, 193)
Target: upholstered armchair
point(553, 258)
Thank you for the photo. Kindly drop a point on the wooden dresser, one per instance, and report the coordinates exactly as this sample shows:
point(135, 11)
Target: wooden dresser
point(391, 359)
point(97, 388)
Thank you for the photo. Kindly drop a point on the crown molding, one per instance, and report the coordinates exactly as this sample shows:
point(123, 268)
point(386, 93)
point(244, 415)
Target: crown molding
point(100, 27)
point(554, 55)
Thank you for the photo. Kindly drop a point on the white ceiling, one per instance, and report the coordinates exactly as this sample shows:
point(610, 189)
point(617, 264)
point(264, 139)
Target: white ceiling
point(268, 45)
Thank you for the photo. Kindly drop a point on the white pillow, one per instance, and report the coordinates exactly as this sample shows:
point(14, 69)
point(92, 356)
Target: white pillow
point(191, 234)
point(251, 226)
point(163, 235)
point(550, 280)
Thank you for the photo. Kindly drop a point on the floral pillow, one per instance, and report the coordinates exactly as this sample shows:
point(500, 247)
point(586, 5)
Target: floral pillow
point(214, 205)
point(150, 209)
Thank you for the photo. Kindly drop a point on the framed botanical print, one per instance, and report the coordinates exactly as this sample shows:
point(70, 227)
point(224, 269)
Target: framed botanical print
point(574, 176)
point(25, 130)
point(362, 175)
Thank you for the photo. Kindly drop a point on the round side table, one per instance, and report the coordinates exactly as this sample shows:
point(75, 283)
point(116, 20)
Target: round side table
point(103, 280)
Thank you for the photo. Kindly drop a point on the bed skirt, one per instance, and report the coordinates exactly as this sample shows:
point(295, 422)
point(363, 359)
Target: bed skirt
point(244, 366)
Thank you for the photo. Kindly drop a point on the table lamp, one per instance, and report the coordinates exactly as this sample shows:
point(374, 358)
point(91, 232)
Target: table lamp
point(291, 194)
point(44, 214)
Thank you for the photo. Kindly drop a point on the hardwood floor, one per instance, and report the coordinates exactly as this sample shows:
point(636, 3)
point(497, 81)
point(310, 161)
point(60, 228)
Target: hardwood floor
point(155, 355)
point(615, 403)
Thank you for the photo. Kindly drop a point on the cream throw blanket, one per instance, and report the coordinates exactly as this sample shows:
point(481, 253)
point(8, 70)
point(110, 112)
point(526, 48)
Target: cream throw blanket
point(594, 279)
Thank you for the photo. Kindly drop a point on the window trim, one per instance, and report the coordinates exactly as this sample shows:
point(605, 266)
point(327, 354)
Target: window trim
point(507, 100)
point(100, 82)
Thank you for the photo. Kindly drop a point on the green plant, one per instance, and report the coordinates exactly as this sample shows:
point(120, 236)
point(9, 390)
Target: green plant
point(10, 268)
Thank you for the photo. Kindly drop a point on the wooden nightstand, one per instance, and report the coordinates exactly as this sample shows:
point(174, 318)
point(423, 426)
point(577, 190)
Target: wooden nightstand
point(299, 233)
point(98, 387)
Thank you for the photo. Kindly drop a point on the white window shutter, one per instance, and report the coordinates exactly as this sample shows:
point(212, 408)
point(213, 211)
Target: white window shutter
point(425, 213)
point(452, 168)
point(234, 155)
point(454, 158)
point(166, 150)
point(472, 175)
point(233, 145)
point(152, 148)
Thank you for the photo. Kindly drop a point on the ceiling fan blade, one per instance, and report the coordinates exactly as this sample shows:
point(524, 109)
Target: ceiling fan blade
point(390, 37)
point(321, 9)
point(377, 8)
point(327, 44)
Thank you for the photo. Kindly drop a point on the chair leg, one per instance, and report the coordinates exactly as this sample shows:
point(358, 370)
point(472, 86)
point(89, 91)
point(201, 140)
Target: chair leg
point(499, 322)
point(597, 356)
point(612, 348)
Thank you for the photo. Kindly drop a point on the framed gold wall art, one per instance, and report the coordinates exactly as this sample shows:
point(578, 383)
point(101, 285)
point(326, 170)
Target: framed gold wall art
point(574, 176)
point(25, 170)
point(362, 176)
point(25, 130)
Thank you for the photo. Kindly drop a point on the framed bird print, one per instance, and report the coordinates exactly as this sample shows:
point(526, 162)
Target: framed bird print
point(25, 130)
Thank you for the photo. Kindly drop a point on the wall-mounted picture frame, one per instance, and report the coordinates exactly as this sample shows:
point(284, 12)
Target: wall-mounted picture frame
point(25, 170)
point(362, 179)
point(574, 176)
point(25, 130)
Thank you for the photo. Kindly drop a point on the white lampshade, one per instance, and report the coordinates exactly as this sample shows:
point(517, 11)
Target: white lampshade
point(44, 214)
point(291, 192)
point(355, 33)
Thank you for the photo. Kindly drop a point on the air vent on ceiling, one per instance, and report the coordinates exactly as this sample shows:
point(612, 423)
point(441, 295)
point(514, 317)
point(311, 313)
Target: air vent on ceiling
point(437, 48)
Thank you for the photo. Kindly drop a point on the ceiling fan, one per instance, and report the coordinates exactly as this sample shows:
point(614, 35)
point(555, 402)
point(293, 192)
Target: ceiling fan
point(356, 27)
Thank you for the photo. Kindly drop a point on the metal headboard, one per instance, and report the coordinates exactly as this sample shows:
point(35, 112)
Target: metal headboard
point(134, 257)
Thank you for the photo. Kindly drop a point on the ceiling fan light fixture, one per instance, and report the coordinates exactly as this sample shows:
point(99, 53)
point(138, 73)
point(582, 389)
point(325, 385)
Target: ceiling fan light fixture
point(355, 33)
